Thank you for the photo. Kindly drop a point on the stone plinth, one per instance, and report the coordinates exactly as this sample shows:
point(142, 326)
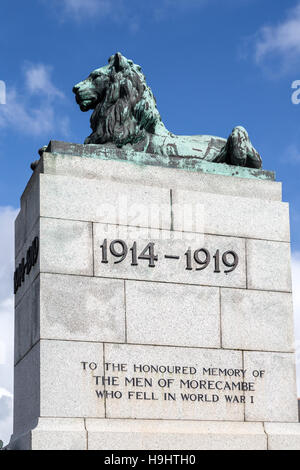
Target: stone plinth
point(153, 309)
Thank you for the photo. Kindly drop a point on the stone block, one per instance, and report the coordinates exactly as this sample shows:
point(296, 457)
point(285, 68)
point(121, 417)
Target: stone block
point(257, 320)
point(29, 213)
point(147, 394)
point(275, 393)
point(172, 314)
point(27, 321)
point(116, 434)
point(104, 201)
point(63, 307)
point(269, 266)
point(283, 436)
point(80, 308)
point(232, 216)
point(66, 247)
point(67, 390)
point(172, 178)
point(30, 276)
point(141, 158)
point(168, 243)
point(53, 434)
point(27, 391)
point(59, 434)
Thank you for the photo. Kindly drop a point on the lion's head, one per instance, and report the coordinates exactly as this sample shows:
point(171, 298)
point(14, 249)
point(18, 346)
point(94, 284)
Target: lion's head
point(124, 106)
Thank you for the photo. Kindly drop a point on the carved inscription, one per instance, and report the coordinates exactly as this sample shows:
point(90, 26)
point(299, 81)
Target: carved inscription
point(198, 260)
point(193, 384)
point(24, 268)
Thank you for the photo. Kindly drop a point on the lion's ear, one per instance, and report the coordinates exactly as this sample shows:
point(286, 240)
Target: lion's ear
point(120, 62)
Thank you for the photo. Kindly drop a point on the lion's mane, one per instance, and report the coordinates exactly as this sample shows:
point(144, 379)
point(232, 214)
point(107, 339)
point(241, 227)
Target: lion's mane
point(125, 112)
point(126, 108)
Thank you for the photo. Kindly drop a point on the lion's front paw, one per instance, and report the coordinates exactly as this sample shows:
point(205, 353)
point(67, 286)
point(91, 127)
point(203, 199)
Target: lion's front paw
point(240, 151)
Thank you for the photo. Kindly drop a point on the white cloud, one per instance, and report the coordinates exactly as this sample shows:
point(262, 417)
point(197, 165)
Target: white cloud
point(18, 114)
point(281, 41)
point(292, 154)
point(38, 80)
point(121, 10)
point(22, 113)
point(88, 8)
point(134, 13)
point(5, 393)
point(6, 410)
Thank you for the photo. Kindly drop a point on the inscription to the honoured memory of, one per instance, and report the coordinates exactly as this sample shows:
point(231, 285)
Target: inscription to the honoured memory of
point(153, 305)
point(174, 383)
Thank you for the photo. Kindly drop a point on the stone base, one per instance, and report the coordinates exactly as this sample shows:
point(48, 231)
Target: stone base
point(121, 434)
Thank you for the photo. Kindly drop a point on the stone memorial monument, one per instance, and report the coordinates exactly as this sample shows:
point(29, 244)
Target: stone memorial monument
point(153, 295)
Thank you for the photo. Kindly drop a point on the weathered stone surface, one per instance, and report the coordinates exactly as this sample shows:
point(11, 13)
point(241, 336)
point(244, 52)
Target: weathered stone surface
point(172, 314)
point(276, 394)
point(67, 391)
point(233, 216)
point(257, 320)
point(168, 243)
point(59, 434)
point(53, 434)
point(81, 308)
point(146, 175)
point(74, 309)
point(50, 381)
point(66, 247)
point(77, 308)
point(27, 321)
point(115, 434)
point(27, 391)
point(158, 406)
point(283, 436)
point(268, 266)
point(29, 213)
point(105, 201)
point(32, 275)
point(122, 173)
point(194, 164)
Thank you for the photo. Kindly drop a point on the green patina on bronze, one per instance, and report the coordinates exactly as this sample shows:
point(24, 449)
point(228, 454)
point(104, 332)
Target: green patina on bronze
point(109, 152)
point(127, 126)
point(125, 116)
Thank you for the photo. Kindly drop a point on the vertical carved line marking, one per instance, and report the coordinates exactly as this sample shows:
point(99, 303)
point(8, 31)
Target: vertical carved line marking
point(243, 365)
point(104, 374)
point(125, 309)
point(93, 249)
point(220, 310)
point(246, 262)
point(172, 213)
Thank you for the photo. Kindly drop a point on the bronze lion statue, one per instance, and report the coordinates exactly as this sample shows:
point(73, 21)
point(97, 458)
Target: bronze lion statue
point(125, 115)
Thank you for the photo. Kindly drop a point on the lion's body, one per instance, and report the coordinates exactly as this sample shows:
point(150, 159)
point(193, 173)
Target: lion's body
point(204, 147)
point(125, 114)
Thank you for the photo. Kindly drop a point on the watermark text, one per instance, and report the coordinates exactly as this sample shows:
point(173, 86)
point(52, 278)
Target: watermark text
point(296, 93)
point(2, 92)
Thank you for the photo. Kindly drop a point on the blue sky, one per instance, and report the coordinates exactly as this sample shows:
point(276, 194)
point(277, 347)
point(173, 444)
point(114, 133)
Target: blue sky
point(212, 65)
